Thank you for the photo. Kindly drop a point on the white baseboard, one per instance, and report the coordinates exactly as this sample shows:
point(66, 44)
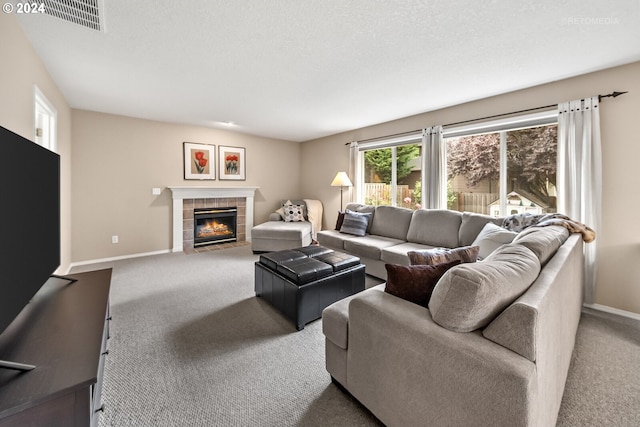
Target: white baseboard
point(117, 258)
point(611, 310)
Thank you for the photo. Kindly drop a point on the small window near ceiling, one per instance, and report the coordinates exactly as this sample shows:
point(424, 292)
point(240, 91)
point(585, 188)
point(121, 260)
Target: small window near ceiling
point(45, 121)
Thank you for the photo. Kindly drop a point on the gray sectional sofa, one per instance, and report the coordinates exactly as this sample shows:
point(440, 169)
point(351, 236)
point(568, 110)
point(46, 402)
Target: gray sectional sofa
point(393, 232)
point(494, 344)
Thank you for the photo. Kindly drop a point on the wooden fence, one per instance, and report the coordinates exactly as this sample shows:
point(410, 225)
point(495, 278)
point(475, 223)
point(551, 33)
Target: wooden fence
point(376, 193)
point(380, 194)
point(474, 202)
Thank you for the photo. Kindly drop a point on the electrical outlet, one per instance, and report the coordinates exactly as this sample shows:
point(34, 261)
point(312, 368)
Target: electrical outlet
point(114, 239)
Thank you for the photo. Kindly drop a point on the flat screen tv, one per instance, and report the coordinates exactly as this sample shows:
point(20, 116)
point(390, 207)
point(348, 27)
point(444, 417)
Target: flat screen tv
point(29, 221)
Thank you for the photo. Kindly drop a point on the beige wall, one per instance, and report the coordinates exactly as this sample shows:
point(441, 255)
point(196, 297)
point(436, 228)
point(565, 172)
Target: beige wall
point(117, 160)
point(20, 70)
point(618, 283)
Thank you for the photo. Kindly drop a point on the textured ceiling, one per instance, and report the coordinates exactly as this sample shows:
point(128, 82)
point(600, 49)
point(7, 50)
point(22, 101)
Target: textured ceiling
point(302, 69)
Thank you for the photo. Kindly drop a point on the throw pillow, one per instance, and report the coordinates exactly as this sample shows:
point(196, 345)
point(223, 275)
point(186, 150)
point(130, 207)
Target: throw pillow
point(470, 296)
point(355, 223)
point(293, 213)
point(415, 283)
point(491, 237)
point(442, 255)
point(543, 241)
point(298, 202)
point(280, 211)
point(340, 220)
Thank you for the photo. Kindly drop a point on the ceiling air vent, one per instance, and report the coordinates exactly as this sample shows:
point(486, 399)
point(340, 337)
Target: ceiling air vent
point(82, 12)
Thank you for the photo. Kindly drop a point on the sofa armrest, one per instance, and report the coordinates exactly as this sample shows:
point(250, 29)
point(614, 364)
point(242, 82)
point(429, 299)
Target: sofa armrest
point(335, 318)
point(275, 216)
point(410, 371)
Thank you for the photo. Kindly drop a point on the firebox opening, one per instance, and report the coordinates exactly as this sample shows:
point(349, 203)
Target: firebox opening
point(214, 225)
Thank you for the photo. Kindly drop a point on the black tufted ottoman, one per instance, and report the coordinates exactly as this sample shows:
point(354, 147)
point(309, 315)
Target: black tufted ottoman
point(302, 282)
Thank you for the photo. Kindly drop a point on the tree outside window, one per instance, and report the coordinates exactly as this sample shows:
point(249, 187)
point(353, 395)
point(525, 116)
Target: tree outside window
point(379, 171)
point(473, 167)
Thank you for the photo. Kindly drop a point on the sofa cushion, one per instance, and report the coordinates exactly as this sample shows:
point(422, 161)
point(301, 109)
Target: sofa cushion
point(472, 224)
point(543, 241)
point(369, 246)
point(390, 221)
point(491, 238)
point(333, 239)
point(355, 223)
point(435, 227)
point(397, 254)
point(471, 295)
point(441, 255)
point(415, 283)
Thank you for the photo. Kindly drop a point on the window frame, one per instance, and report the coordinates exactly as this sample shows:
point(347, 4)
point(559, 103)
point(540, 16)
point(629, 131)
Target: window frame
point(45, 136)
point(393, 143)
point(501, 125)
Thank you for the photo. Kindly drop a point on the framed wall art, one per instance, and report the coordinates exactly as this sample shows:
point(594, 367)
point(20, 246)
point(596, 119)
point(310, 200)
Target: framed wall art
point(199, 161)
point(231, 163)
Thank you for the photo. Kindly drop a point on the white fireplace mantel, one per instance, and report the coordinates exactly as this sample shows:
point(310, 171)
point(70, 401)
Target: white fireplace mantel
point(180, 193)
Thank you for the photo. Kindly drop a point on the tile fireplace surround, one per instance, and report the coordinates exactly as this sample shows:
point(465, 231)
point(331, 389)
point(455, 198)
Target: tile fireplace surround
point(185, 199)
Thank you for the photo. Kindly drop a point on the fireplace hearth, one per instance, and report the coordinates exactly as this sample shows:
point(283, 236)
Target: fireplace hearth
point(214, 225)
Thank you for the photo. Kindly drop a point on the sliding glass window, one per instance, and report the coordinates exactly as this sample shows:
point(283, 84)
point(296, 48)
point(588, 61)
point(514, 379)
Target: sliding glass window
point(503, 168)
point(496, 168)
point(391, 173)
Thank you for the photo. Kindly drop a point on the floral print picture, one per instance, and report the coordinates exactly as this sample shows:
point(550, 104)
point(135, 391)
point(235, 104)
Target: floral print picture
point(231, 162)
point(199, 161)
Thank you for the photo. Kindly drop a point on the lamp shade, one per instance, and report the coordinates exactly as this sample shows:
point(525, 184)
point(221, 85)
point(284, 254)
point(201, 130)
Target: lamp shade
point(341, 180)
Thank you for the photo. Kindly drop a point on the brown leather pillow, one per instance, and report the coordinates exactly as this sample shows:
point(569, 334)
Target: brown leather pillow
point(415, 283)
point(340, 220)
point(441, 255)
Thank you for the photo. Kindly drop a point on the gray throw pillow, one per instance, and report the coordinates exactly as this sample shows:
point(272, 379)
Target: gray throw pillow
point(355, 223)
point(543, 241)
point(471, 295)
point(491, 237)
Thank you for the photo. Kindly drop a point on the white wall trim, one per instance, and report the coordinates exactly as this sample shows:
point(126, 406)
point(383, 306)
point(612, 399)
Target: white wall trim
point(116, 258)
point(611, 310)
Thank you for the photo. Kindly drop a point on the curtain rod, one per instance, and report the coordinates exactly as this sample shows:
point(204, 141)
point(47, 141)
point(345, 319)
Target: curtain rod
point(609, 95)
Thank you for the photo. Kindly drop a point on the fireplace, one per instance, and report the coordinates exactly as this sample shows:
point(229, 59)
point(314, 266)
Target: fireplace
point(186, 199)
point(214, 225)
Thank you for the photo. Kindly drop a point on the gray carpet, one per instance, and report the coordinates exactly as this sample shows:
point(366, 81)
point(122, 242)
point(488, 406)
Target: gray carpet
point(192, 346)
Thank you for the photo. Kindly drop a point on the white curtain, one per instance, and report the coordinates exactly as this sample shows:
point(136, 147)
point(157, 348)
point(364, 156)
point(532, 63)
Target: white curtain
point(579, 175)
point(354, 171)
point(434, 169)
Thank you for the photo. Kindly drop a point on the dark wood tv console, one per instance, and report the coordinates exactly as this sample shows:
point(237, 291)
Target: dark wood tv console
point(63, 331)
